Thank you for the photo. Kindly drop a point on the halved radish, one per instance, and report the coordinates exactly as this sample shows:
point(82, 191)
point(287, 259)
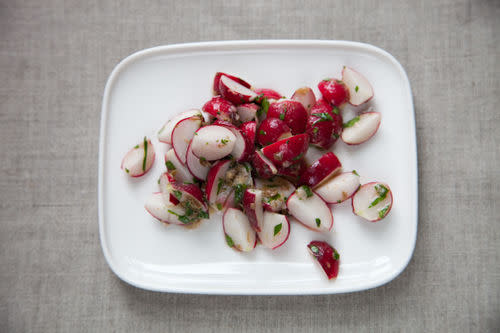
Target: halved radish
point(373, 201)
point(360, 90)
point(165, 133)
point(241, 149)
point(165, 212)
point(216, 180)
point(325, 167)
point(249, 130)
point(272, 130)
point(309, 209)
point(361, 128)
point(339, 188)
point(305, 96)
point(163, 183)
point(263, 166)
point(220, 108)
point(252, 205)
point(275, 192)
point(237, 230)
point(326, 256)
point(324, 125)
point(235, 92)
point(334, 91)
point(247, 112)
point(287, 151)
point(270, 94)
point(291, 112)
point(294, 171)
point(213, 142)
point(139, 159)
point(188, 192)
point(177, 168)
point(182, 134)
point(312, 155)
point(275, 230)
point(197, 166)
point(217, 77)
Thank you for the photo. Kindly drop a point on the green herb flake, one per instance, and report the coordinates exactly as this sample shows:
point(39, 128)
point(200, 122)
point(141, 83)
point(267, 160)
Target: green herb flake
point(127, 170)
point(336, 255)
point(282, 116)
point(219, 185)
point(326, 80)
point(136, 147)
point(224, 141)
point(170, 166)
point(203, 214)
point(314, 249)
point(307, 190)
point(274, 197)
point(356, 89)
point(262, 132)
point(336, 110)
point(315, 130)
point(277, 228)
point(298, 157)
point(339, 201)
point(177, 194)
point(264, 106)
point(382, 194)
point(323, 116)
point(351, 122)
point(355, 172)
point(219, 206)
point(229, 241)
point(247, 167)
point(239, 190)
point(383, 211)
point(335, 135)
point(318, 222)
point(145, 154)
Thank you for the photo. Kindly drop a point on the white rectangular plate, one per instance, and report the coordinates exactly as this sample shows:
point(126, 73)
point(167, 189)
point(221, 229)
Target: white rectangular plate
point(150, 86)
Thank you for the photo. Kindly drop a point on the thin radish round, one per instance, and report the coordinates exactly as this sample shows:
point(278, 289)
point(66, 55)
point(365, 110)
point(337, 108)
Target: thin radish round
point(360, 90)
point(373, 201)
point(177, 168)
point(139, 159)
point(339, 188)
point(237, 230)
point(197, 166)
point(182, 134)
point(165, 133)
point(275, 230)
point(213, 142)
point(361, 128)
point(309, 209)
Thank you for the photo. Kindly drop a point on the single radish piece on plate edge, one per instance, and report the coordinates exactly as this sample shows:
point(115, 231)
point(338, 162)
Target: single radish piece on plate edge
point(305, 96)
point(272, 130)
point(360, 90)
point(310, 210)
point(373, 201)
point(217, 77)
point(176, 168)
point(334, 91)
point(339, 188)
point(182, 134)
point(237, 230)
point(291, 112)
point(263, 166)
point(326, 256)
point(219, 108)
point(247, 112)
point(139, 159)
point(213, 142)
point(325, 167)
point(361, 128)
point(165, 133)
point(252, 206)
point(197, 166)
point(169, 213)
point(287, 151)
point(235, 92)
point(275, 230)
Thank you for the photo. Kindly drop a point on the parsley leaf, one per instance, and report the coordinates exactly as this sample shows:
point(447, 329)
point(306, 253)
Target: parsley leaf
point(219, 185)
point(170, 166)
point(229, 241)
point(277, 228)
point(127, 170)
point(355, 172)
point(351, 122)
point(318, 222)
point(335, 110)
point(382, 194)
point(307, 190)
point(274, 197)
point(145, 154)
point(356, 89)
point(264, 106)
point(178, 194)
point(314, 249)
point(323, 116)
point(239, 190)
point(383, 211)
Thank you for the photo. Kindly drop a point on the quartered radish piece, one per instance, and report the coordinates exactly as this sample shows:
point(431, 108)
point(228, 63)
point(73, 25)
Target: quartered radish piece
point(165, 133)
point(272, 130)
point(270, 94)
point(324, 125)
point(235, 92)
point(339, 188)
point(164, 186)
point(294, 171)
point(165, 212)
point(237, 230)
point(305, 96)
point(334, 91)
point(252, 205)
point(326, 256)
point(215, 181)
point(360, 90)
point(197, 166)
point(217, 82)
point(219, 108)
point(213, 142)
point(241, 150)
point(177, 168)
point(325, 167)
point(182, 134)
point(361, 128)
point(291, 112)
point(187, 192)
point(287, 151)
point(247, 112)
point(249, 130)
point(275, 192)
point(139, 159)
point(275, 230)
point(310, 210)
point(263, 166)
point(373, 201)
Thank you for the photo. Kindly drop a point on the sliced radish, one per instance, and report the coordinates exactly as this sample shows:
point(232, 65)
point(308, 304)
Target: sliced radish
point(182, 134)
point(263, 166)
point(213, 142)
point(165, 212)
point(309, 209)
point(139, 159)
point(373, 201)
point(241, 149)
point(216, 181)
point(165, 133)
point(164, 185)
point(252, 205)
point(275, 192)
point(219, 108)
point(334, 91)
point(339, 188)
point(361, 128)
point(312, 155)
point(324, 125)
point(217, 82)
point(188, 192)
point(197, 166)
point(272, 130)
point(247, 112)
point(326, 256)
point(235, 92)
point(360, 90)
point(270, 94)
point(177, 168)
point(287, 151)
point(237, 230)
point(294, 171)
point(275, 230)
point(325, 167)
point(249, 130)
point(305, 96)
point(291, 112)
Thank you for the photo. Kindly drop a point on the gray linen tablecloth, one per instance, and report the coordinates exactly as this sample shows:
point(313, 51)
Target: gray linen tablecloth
point(55, 57)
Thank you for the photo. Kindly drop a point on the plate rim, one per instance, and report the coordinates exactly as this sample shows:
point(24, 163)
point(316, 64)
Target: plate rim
point(243, 45)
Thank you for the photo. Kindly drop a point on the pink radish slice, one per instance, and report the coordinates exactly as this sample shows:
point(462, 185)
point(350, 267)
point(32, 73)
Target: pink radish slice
point(252, 205)
point(216, 176)
point(176, 168)
point(325, 167)
point(217, 77)
point(373, 201)
point(361, 128)
point(360, 90)
point(240, 150)
point(275, 192)
point(237, 230)
point(263, 166)
point(139, 159)
point(275, 230)
point(305, 96)
point(309, 209)
point(339, 188)
point(235, 92)
point(182, 134)
point(247, 112)
point(198, 167)
point(213, 142)
point(165, 212)
point(165, 133)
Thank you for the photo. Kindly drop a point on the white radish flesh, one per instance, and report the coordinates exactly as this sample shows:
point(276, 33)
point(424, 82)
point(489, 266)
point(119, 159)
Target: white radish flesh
point(252, 205)
point(360, 90)
point(198, 167)
point(309, 209)
point(213, 142)
point(339, 188)
point(182, 134)
point(305, 96)
point(275, 230)
point(363, 128)
point(275, 192)
point(165, 212)
point(139, 159)
point(372, 201)
point(235, 92)
point(237, 230)
point(165, 133)
point(240, 148)
point(247, 112)
point(215, 181)
point(177, 168)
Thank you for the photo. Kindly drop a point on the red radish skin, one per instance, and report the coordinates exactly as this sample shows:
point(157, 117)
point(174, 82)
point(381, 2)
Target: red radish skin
point(360, 90)
point(182, 134)
point(291, 112)
point(324, 125)
point(326, 256)
point(272, 130)
point(339, 188)
point(164, 186)
point(175, 167)
point(270, 94)
point(190, 192)
point(216, 175)
point(247, 112)
point(213, 142)
point(165, 133)
point(139, 160)
point(305, 96)
point(363, 129)
point(196, 166)
point(237, 230)
point(294, 171)
point(275, 230)
point(287, 151)
point(219, 108)
point(235, 92)
point(370, 202)
point(217, 77)
point(252, 206)
point(325, 167)
point(334, 91)
point(310, 210)
point(249, 130)
point(263, 166)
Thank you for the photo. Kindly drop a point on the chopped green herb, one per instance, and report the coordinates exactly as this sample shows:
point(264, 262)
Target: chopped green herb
point(219, 185)
point(339, 201)
point(351, 122)
point(282, 116)
point(315, 130)
point(356, 89)
point(336, 255)
point(247, 167)
point(145, 154)
point(383, 211)
point(314, 249)
point(298, 157)
point(335, 110)
point(187, 183)
point(127, 170)
point(264, 106)
point(239, 190)
point(277, 228)
point(202, 159)
point(335, 135)
point(326, 80)
point(158, 181)
point(219, 206)
point(318, 222)
point(287, 141)
point(224, 141)
point(170, 165)
point(274, 197)
point(178, 194)
point(262, 132)
point(136, 147)
point(323, 116)
point(307, 190)
point(195, 133)
point(355, 172)
point(382, 194)
point(203, 214)
point(184, 219)
point(229, 241)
